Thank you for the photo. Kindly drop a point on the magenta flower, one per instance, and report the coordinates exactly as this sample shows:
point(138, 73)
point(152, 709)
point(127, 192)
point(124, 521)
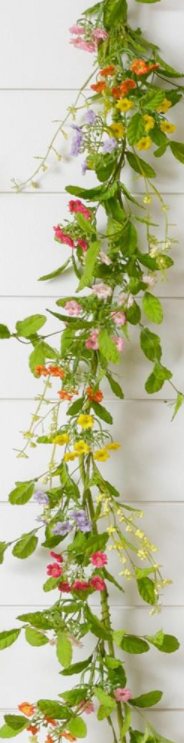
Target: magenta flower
point(99, 559)
point(98, 583)
point(122, 695)
point(56, 556)
point(61, 238)
point(80, 585)
point(92, 341)
point(120, 343)
point(119, 318)
point(73, 308)
point(102, 291)
point(54, 570)
point(83, 244)
point(77, 206)
point(64, 587)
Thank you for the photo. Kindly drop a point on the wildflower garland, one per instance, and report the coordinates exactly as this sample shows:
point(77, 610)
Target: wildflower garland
point(125, 113)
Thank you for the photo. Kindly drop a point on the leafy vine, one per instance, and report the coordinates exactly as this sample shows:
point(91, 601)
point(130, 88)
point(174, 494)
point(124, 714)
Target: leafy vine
point(125, 114)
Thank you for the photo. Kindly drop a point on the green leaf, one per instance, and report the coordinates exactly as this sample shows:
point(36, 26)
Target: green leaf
point(22, 493)
point(104, 698)
point(152, 99)
point(147, 700)
point(164, 643)
point(108, 347)
point(53, 709)
point(114, 13)
point(91, 256)
point(156, 380)
point(115, 387)
point(146, 588)
point(133, 314)
point(169, 70)
point(50, 584)
point(64, 649)
point(57, 272)
point(92, 10)
point(100, 193)
point(37, 619)
point(77, 727)
point(179, 402)
point(74, 696)
point(8, 732)
point(8, 638)
point(134, 645)
point(150, 344)
point(136, 128)
point(85, 224)
point(96, 626)
point(3, 548)
point(177, 149)
point(76, 406)
point(161, 150)
point(113, 580)
point(25, 546)
point(128, 239)
point(101, 412)
point(147, 1)
point(37, 357)
point(152, 308)
point(67, 339)
point(35, 638)
point(30, 325)
point(4, 332)
point(104, 166)
point(140, 166)
point(127, 720)
point(16, 722)
point(77, 667)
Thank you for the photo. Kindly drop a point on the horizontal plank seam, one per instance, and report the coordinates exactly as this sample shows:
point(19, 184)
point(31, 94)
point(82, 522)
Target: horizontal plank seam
point(62, 193)
point(95, 606)
point(125, 500)
point(106, 399)
point(64, 296)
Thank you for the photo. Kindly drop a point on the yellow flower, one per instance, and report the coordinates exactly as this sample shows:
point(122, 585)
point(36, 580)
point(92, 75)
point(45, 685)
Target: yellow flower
point(124, 105)
point(144, 143)
point(101, 455)
point(69, 456)
point(167, 127)
point(81, 447)
point(149, 122)
point(117, 130)
point(164, 106)
point(85, 421)
point(61, 438)
point(113, 446)
point(111, 530)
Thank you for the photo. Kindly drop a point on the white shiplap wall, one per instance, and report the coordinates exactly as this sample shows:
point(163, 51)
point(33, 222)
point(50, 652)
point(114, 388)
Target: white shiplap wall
point(39, 77)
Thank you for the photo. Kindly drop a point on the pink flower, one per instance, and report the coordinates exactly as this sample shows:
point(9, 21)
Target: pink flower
point(150, 280)
point(99, 33)
point(102, 291)
point(92, 341)
point(57, 557)
point(98, 583)
point(79, 44)
point(80, 585)
point(77, 30)
point(54, 570)
point(120, 343)
point(122, 695)
point(99, 559)
point(104, 258)
point(73, 308)
point(61, 238)
point(86, 707)
point(119, 318)
point(126, 299)
point(77, 206)
point(83, 244)
point(76, 643)
point(64, 587)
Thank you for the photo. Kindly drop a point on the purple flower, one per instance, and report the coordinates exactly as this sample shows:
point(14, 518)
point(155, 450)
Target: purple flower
point(76, 141)
point(81, 520)
point(84, 526)
point(78, 515)
point(41, 497)
point(109, 145)
point(62, 528)
point(90, 116)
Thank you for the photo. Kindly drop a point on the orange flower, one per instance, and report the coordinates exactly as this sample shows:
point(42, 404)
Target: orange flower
point(74, 391)
point(56, 372)
point(50, 720)
point(97, 396)
point(116, 92)
point(140, 67)
point(49, 739)
point(127, 85)
point(64, 395)
point(68, 736)
point(32, 729)
point(41, 371)
point(99, 87)
point(152, 67)
point(107, 71)
point(26, 708)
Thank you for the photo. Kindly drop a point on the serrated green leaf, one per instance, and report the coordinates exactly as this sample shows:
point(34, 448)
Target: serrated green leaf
point(114, 13)
point(152, 99)
point(16, 722)
point(91, 257)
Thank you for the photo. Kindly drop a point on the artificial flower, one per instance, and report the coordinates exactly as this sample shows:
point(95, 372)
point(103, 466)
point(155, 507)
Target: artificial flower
point(104, 258)
point(149, 122)
point(98, 583)
point(75, 205)
point(62, 238)
point(113, 446)
point(56, 556)
point(102, 291)
point(62, 528)
point(77, 141)
point(80, 585)
point(84, 45)
point(92, 340)
point(109, 145)
point(64, 395)
point(81, 447)
point(41, 370)
point(61, 439)
point(32, 729)
point(117, 129)
point(101, 455)
point(90, 116)
point(87, 707)
point(144, 143)
point(99, 87)
point(41, 498)
point(99, 33)
point(122, 695)
point(64, 587)
point(85, 421)
point(140, 67)
point(70, 456)
point(107, 71)
point(99, 559)
point(124, 105)
point(127, 85)
point(94, 396)
point(119, 342)
point(83, 244)
point(77, 30)
point(73, 308)
point(55, 371)
point(110, 530)
point(164, 106)
point(68, 736)
point(167, 127)
point(119, 318)
point(26, 708)
point(116, 91)
point(54, 570)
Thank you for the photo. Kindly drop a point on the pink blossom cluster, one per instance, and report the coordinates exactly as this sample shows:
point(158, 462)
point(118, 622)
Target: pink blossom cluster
point(54, 570)
point(81, 43)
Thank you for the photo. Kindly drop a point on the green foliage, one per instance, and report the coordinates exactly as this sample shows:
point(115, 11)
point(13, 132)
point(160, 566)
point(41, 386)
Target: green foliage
point(56, 273)
point(164, 643)
point(77, 727)
point(64, 649)
point(150, 344)
point(53, 709)
point(4, 332)
point(114, 13)
point(146, 588)
point(30, 326)
point(108, 347)
point(135, 129)
point(115, 387)
point(140, 166)
point(147, 700)
point(177, 149)
point(8, 638)
point(152, 308)
point(91, 256)
point(101, 412)
point(22, 493)
point(77, 667)
point(25, 546)
point(155, 381)
point(35, 638)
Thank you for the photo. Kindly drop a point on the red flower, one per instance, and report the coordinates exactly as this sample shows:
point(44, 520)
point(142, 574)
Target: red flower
point(99, 87)
point(80, 585)
point(127, 85)
point(64, 586)
point(99, 559)
point(77, 206)
point(107, 71)
point(54, 570)
point(116, 92)
point(57, 557)
point(98, 583)
point(83, 244)
point(97, 396)
point(62, 238)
